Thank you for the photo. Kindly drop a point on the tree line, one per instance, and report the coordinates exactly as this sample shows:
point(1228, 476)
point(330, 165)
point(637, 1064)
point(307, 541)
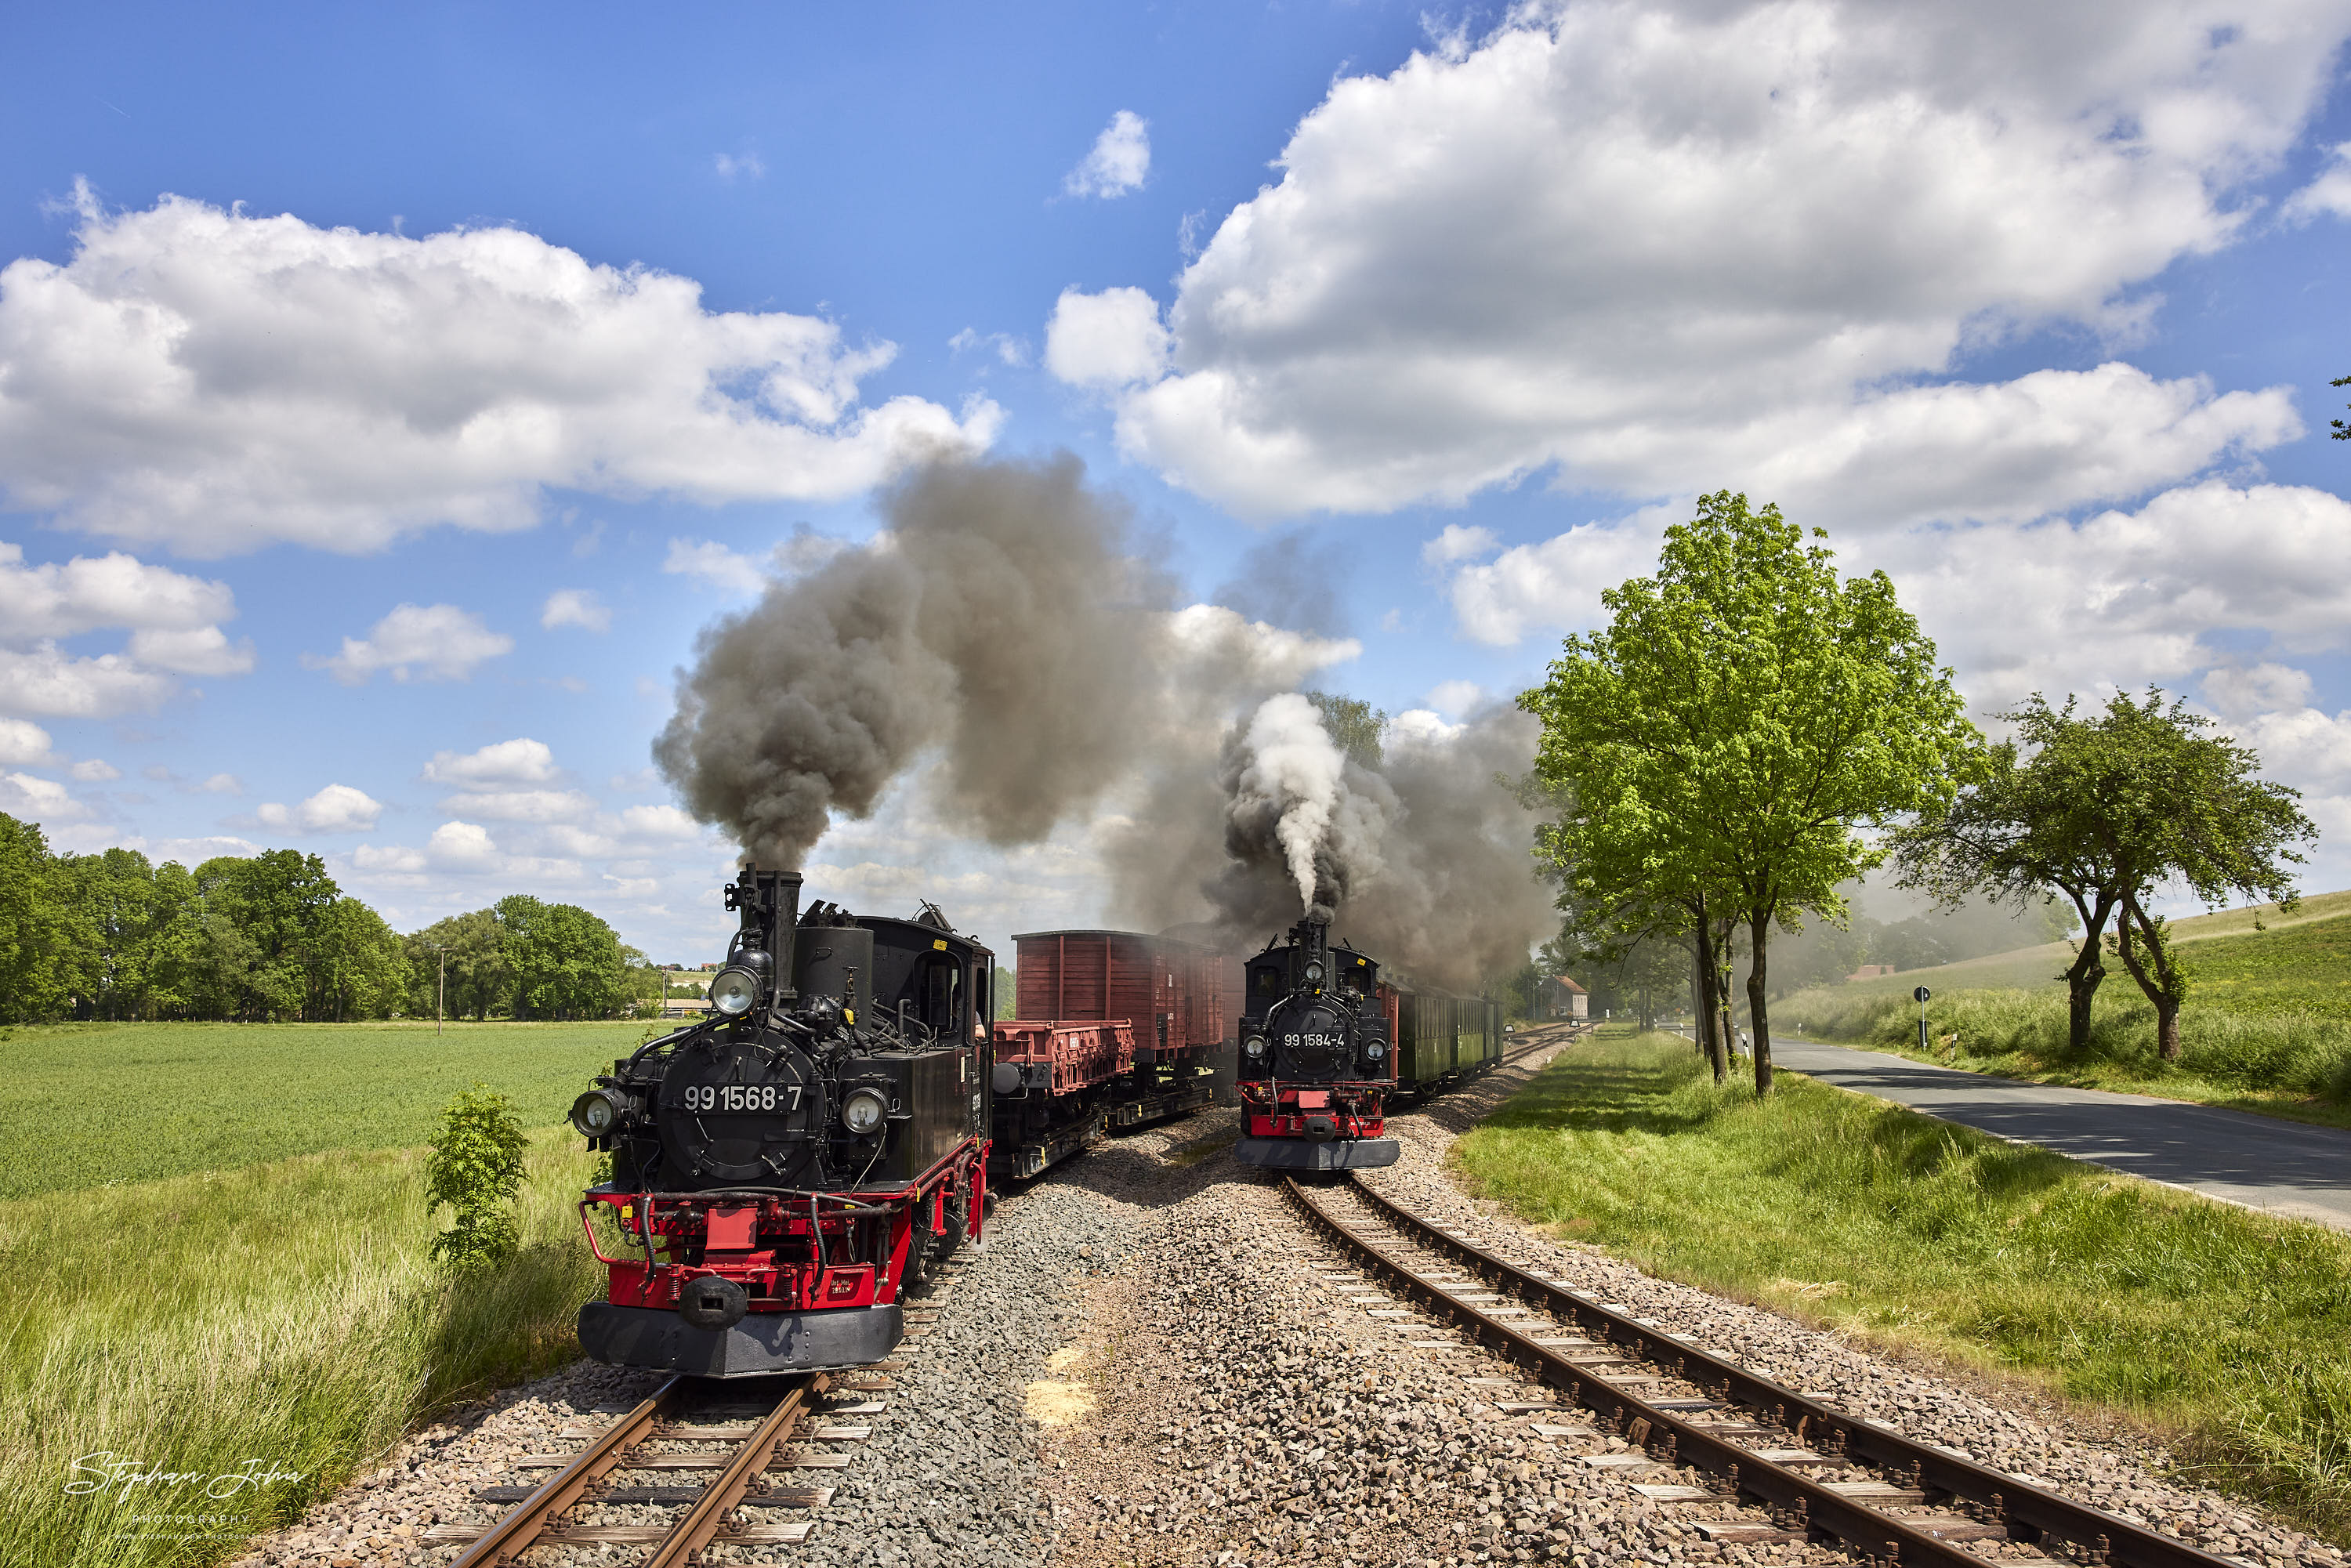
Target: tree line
point(271, 938)
point(1752, 731)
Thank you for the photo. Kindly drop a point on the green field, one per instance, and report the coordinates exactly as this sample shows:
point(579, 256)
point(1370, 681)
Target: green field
point(2267, 1026)
point(214, 1248)
point(2229, 1328)
point(137, 1102)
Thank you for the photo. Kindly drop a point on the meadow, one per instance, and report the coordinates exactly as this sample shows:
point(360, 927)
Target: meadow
point(2267, 1026)
point(124, 1102)
point(266, 1294)
point(2226, 1328)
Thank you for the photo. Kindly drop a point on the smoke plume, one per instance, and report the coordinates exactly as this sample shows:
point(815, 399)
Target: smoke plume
point(1008, 628)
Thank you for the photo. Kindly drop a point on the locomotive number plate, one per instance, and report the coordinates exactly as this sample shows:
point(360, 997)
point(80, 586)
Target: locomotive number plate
point(742, 1097)
point(1312, 1041)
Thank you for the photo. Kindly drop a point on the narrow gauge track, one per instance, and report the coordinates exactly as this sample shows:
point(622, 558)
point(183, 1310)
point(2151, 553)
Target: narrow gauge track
point(1762, 1447)
point(688, 1417)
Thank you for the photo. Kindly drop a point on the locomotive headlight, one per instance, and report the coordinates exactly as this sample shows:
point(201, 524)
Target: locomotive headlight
point(1254, 1045)
point(1313, 971)
point(733, 990)
point(1373, 1050)
point(863, 1111)
point(594, 1114)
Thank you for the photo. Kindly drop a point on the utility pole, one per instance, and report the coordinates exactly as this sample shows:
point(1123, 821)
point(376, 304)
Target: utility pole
point(441, 990)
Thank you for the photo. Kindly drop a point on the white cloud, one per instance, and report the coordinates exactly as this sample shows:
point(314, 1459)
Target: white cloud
point(26, 744)
point(524, 805)
point(388, 858)
point(1109, 339)
point(714, 564)
point(1649, 245)
point(173, 621)
point(339, 809)
point(221, 784)
point(1459, 542)
point(1010, 351)
point(747, 165)
point(2237, 691)
point(218, 382)
point(666, 823)
point(95, 770)
point(519, 761)
point(2330, 193)
point(33, 798)
point(1243, 650)
point(435, 643)
point(1456, 697)
point(575, 607)
point(1555, 583)
point(1119, 162)
point(461, 846)
point(1420, 726)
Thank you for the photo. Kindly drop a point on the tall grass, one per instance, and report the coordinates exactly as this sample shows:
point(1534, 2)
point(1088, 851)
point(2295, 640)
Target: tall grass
point(2026, 1031)
point(2229, 1326)
point(283, 1312)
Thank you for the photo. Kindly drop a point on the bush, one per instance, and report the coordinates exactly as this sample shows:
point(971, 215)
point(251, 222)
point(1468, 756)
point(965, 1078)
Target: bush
point(475, 1167)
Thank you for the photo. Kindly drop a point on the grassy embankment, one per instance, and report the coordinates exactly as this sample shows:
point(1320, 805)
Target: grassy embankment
point(2228, 1329)
point(266, 1294)
point(2267, 1028)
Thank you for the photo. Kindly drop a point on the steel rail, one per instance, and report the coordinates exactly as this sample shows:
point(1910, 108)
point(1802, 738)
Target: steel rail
point(691, 1534)
point(2104, 1536)
point(520, 1529)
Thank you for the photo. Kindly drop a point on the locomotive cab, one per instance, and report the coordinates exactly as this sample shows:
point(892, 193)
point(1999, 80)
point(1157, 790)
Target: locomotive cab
point(1316, 1061)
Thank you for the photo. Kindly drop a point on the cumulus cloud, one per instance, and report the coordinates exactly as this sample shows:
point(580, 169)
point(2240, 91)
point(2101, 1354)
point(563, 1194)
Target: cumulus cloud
point(31, 797)
point(461, 846)
point(336, 808)
point(524, 805)
point(1105, 341)
point(173, 621)
point(1119, 162)
point(1647, 241)
point(519, 761)
point(428, 643)
point(745, 165)
point(714, 564)
point(24, 745)
point(2330, 193)
point(1010, 351)
point(575, 607)
point(95, 770)
point(218, 382)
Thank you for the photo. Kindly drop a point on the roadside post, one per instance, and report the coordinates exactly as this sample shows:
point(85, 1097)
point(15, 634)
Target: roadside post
point(1921, 996)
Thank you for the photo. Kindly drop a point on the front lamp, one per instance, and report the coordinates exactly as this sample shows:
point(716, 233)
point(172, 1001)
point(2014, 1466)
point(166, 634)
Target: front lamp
point(596, 1113)
point(1254, 1045)
point(733, 990)
point(863, 1111)
point(1313, 972)
point(1373, 1050)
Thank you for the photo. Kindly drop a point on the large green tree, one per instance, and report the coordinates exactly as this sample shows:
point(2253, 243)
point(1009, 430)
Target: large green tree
point(565, 962)
point(1745, 713)
point(2107, 809)
point(36, 930)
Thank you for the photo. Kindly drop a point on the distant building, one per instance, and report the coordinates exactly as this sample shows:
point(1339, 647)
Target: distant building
point(1560, 998)
point(1870, 971)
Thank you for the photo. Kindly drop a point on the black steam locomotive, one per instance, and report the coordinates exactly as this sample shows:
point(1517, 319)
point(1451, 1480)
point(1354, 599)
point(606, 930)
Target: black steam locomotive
point(782, 1169)
point(1317, 1062)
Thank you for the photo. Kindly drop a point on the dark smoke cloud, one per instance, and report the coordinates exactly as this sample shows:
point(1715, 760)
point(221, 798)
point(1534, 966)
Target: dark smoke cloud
point(1008, 623)
point(1005, 617)
point(1291, 581)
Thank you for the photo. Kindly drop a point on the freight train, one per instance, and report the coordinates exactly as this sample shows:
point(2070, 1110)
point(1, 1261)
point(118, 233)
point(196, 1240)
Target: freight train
point(783, 1169)
point(1327, 1046)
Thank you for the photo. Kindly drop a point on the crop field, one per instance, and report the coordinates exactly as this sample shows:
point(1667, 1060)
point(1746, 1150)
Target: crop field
point(139, 1101)
point(2228, 1328)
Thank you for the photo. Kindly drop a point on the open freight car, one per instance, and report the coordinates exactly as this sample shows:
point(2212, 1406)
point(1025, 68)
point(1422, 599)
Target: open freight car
point(1115, 1029)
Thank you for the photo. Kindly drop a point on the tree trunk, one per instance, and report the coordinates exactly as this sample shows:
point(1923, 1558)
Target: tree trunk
point(1758, 1009)
point(1710, 1034)
point(2145, 946)
point(2166, 1029)
point(2082, 976)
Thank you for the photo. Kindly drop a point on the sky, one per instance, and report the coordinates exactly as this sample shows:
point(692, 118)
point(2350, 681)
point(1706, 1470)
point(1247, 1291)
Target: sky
point(387, 400)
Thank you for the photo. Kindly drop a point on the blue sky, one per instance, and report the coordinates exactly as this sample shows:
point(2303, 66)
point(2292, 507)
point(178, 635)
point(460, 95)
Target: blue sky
point(2034, 307)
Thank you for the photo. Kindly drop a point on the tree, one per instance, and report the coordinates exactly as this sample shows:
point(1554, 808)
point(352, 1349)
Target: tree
point(2106, 811)
point(1743, 714)
point(35, 977)
point(469, 949)
point(565, 962)
point(1354, 725)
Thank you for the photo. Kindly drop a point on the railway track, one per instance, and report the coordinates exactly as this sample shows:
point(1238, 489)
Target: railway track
point(1746, 1461)
point(738, 1435)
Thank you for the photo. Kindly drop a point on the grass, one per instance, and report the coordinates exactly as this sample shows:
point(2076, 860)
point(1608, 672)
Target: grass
point(283, 1312)
point(2228, 1327)
point(130, 1103)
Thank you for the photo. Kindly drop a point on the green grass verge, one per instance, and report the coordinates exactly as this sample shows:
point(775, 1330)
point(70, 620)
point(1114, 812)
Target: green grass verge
point(131, 1102)
point(2229, 1327)
point(285, 1313)
point(2296, 1067)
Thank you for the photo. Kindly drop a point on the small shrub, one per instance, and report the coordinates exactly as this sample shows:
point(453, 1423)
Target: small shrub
point(476, 1168)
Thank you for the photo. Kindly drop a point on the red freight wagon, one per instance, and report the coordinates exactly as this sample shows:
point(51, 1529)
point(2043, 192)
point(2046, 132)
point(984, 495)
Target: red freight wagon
point(1057, 1088)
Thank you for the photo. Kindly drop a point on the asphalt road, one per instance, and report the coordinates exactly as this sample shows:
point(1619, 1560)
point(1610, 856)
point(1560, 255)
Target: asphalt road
point(2283, 1167)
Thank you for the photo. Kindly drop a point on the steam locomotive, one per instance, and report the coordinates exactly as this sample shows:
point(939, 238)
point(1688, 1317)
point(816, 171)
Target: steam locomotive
point(1327, 1046)
point(783, 1169)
